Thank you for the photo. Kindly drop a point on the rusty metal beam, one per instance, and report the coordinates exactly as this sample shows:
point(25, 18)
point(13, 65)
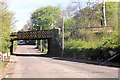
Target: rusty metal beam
point(31, 35)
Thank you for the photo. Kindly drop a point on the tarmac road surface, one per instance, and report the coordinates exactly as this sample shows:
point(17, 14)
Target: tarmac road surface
point(28, 64)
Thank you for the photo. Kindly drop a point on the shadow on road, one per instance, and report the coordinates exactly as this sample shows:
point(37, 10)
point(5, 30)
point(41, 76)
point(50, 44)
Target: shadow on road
point(109, 64)
point(31, 55)
point(69, 59)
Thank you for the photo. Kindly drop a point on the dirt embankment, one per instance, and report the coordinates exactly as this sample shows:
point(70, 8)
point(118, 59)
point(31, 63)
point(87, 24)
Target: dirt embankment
point(6, 65)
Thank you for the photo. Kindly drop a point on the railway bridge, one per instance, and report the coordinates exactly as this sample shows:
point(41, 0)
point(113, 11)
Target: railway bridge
point(54, 48)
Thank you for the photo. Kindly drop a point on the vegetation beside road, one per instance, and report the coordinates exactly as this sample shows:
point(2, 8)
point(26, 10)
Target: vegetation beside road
point(100, 50)
point(86, 36)
point(1, 64)
point(6, 21)
point(83, 42)
point(6, 27)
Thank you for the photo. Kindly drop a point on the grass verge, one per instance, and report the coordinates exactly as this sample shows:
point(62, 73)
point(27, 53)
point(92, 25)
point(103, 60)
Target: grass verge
point(1, 64)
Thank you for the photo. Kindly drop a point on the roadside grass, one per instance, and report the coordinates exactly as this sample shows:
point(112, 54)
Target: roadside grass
point(45, 51)
point(1, 64)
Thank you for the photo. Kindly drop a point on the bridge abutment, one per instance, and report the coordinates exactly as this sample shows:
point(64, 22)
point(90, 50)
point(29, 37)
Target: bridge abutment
point(11, 47)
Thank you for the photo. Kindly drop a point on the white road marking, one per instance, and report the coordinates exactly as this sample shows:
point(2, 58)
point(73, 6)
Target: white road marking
point(7, 76)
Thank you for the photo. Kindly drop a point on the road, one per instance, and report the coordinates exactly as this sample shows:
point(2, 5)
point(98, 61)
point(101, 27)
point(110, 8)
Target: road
point(34, 66)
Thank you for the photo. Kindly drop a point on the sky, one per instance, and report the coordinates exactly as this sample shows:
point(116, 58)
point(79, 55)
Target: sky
point(23, 9)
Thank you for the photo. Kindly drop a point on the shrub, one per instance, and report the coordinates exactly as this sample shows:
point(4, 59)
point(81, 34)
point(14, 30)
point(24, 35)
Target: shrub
point(5, 47)
point(97, 49)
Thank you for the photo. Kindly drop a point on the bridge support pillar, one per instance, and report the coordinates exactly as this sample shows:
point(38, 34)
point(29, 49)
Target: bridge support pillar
point(11, 47)
point(54, 48)
point(49, 47)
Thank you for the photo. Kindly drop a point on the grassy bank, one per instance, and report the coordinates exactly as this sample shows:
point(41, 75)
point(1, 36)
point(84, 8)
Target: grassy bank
point(100, 49)
point(1, 64)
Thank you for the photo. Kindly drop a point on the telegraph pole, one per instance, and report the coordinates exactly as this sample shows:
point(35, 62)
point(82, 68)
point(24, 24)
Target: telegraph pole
point(62, 33)
point(41, 41)
point(104, 14)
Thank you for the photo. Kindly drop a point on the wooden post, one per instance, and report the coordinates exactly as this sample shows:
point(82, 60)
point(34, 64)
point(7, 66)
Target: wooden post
point(11, 47)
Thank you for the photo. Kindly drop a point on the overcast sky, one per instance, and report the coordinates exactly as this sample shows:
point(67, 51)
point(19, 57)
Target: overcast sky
point(24, 8)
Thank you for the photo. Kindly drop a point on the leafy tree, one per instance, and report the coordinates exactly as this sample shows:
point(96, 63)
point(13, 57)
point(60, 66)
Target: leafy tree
point(89, 16)
point(6, 18)
point(46, 17)
point(91, 44)
point(112, 14)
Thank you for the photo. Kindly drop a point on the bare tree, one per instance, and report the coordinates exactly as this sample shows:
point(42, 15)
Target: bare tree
point(28, 26)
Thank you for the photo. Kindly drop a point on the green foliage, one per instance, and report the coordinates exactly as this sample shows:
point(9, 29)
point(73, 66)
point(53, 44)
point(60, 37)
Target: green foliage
point(1, 64)
point(6, 18)
point(82, 40)
point(77, 44)
point(94, 49)
point(45, 17)
point(91, 16)
point(15, 44)
point(84, 18)
point(70, 23)
point(5, 46)
point(112, 14)
point(111, 40)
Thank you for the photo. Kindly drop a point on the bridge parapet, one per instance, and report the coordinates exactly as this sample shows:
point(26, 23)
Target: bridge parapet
point(32, 35)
